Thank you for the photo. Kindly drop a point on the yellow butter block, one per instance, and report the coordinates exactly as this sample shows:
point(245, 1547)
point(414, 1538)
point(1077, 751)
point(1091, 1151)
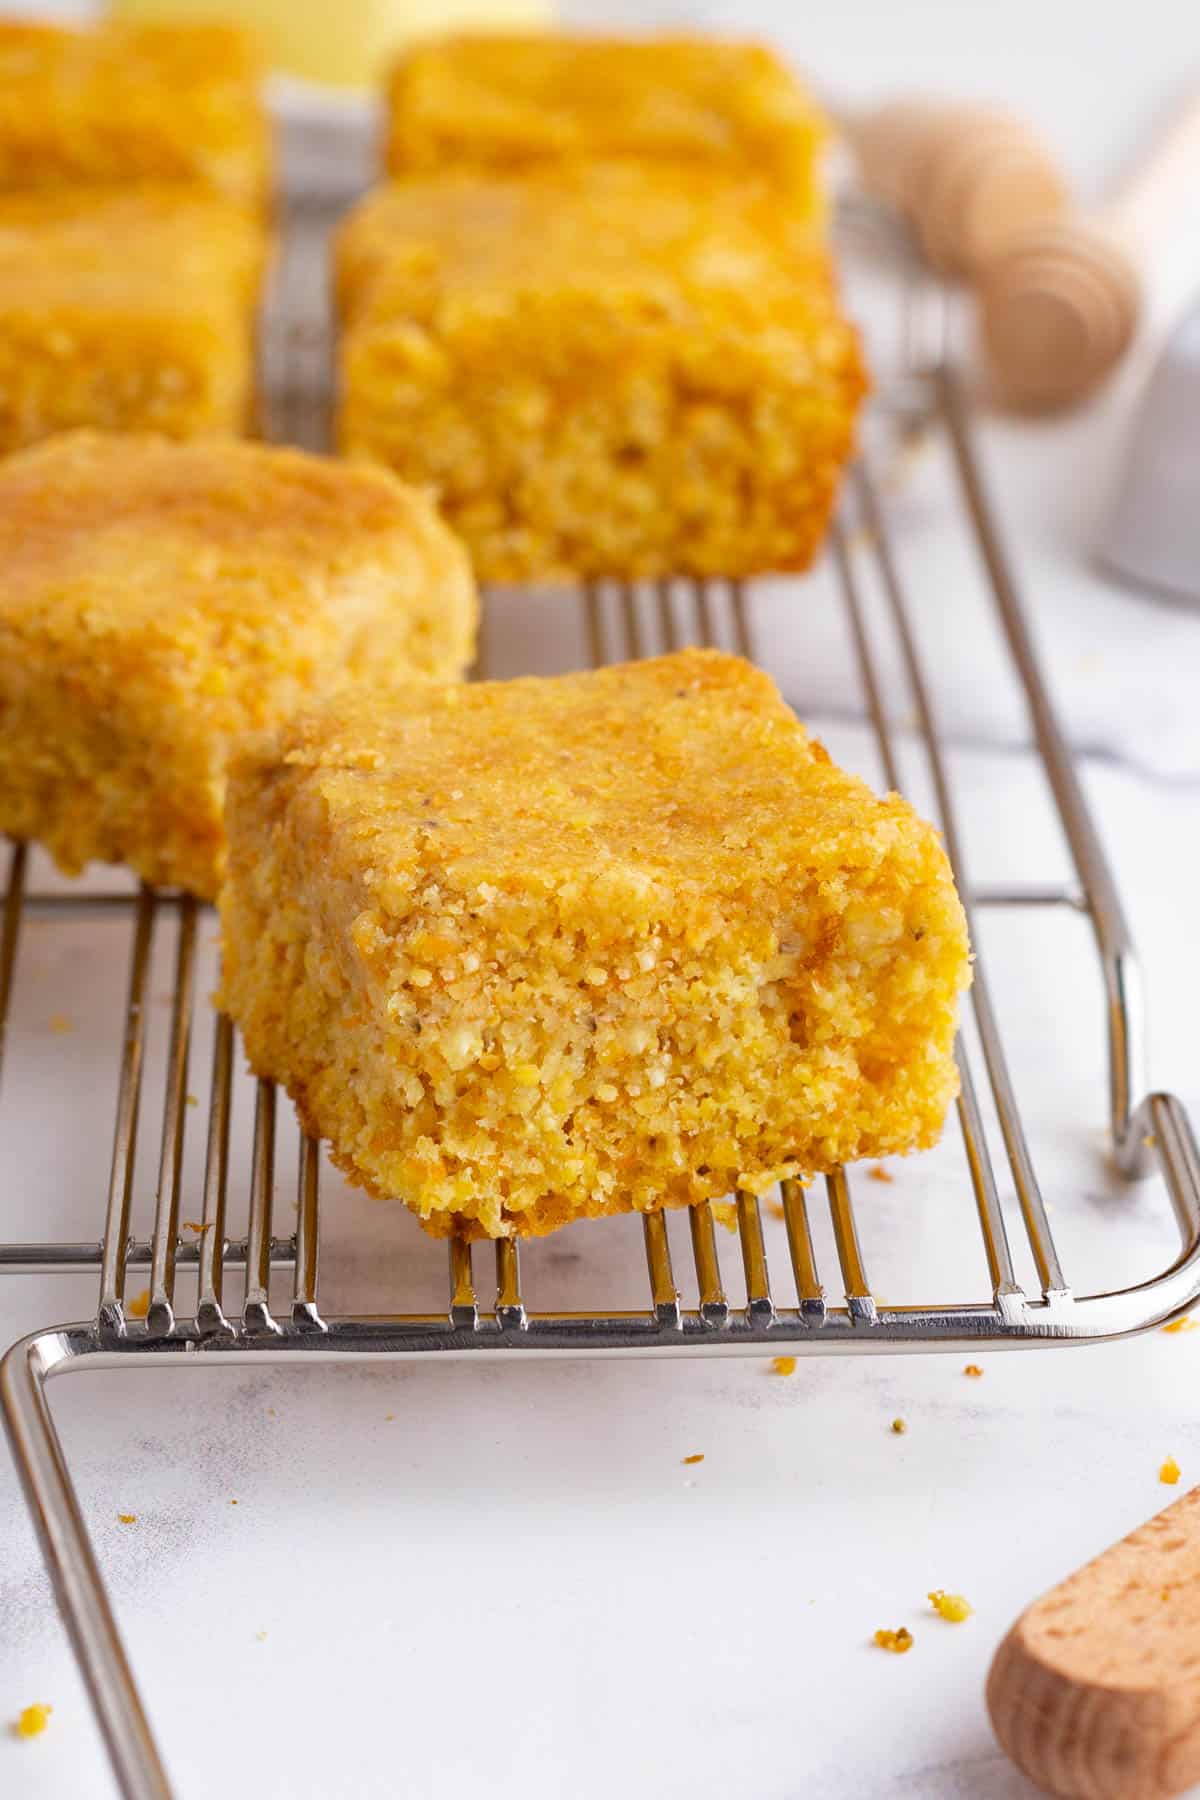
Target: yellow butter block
point(352, 43)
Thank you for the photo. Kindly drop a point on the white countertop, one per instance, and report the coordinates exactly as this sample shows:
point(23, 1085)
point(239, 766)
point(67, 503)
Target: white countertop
point(437, 1576)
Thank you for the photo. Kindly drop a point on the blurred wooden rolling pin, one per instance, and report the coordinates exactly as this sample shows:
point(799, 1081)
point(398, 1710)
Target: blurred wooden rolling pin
point(1060, 302)
point(1095, 1692)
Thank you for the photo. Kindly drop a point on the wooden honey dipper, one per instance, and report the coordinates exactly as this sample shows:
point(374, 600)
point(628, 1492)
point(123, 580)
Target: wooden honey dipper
point(1060, 301)
point(966, 177)
point(1095, 1692)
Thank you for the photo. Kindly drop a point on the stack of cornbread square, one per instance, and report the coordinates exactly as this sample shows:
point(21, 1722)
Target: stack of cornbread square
point(594, 307)
point(134, 174)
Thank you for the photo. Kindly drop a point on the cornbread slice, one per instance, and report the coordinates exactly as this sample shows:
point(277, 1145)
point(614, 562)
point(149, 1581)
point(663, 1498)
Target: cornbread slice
point(114, 104)
point(506, 102)
point(602, 370)
point(158, 600)
point(539, 950)
point(126, 310)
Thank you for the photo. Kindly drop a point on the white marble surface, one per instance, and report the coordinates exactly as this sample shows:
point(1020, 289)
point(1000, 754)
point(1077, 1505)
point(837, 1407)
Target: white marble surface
point(505, 1574)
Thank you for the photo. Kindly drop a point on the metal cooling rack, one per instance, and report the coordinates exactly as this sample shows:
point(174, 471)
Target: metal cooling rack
point(191, 1318)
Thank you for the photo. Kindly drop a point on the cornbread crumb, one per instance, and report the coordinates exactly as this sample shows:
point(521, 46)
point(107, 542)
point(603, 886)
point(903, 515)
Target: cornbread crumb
point(196, 1226)
point(878, 1173)
point(899, 1426)
point(509, 101)
point(1186, 1323)
point(972, 1369)
point(1169, 1472)
point(60, 1025)
point(723, 1211)
point(776, 1209)
point(696, 1457)
point(191, 1100)
point(601, 369)
point(233, 1503)
point(783, 1365)
point(127, 1518)
point(139, 1306)
point(260, 1637)
point(895, 1641)
point(952, 1607)
point(809, 950)
point(133, 567)
point(114, 104)
point(32, 1721)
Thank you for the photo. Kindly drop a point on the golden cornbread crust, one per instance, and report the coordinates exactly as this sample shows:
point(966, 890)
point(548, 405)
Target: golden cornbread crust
point(126, 310)
point(605, 369)
point(112, 103)
point(539, 950)
point(507, 102)
point(159, 600)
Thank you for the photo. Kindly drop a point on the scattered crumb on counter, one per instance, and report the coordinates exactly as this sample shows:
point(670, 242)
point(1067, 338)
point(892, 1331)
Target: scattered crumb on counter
point(127, 1518)
point(899, 1426)
point(260, 1637)
point(139, 1306)
point(895, 1641)
point(725, 1213)
point(60, 1024)
point(196, 1226)
point(783, 1365)
point(233, 1503)
point(697, 1456)
point(877, 1172)
point(270, 1412)
point(32, 1721)
point(950, 1606)
point(191, 1099)
point(1187, 1323)
point(972, 1369)
point(1150, 1141)
point(776, 1209)
point(388, 1417)
point(1169, 1473)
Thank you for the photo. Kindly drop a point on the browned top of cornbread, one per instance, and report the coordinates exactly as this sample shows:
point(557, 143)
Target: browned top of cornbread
point(505, 101)
point(118, 102)
point(232, 538)
point(637, 790)
point(668, 237)
point(151, 248)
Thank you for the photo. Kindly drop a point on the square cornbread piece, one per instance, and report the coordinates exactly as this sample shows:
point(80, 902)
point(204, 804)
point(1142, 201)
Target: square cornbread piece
point(602, 370)
point(111, 104)
point(509, 102)
point(126, 310)
point(159, 600)
point(539, 950)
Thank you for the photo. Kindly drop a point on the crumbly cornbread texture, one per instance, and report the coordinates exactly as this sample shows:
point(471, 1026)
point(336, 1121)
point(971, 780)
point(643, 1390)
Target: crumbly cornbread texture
point(546, 949)
point(602, 370)
point(506, 102)
point(113, 104)
point(126, 310)
point(158, 600)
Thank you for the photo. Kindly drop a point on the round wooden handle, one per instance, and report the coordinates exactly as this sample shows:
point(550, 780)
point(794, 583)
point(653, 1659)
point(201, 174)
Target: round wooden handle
point(1095, 1692)
point(967, 177)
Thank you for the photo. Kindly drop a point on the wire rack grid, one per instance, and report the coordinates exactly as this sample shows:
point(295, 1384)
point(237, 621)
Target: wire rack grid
point(190, 1318)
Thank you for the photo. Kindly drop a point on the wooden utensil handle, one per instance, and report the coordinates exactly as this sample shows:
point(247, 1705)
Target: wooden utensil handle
point(1095, 1692)
point(1162, 191)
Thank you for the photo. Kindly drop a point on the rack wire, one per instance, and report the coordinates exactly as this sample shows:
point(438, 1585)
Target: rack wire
point(796, 1306)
